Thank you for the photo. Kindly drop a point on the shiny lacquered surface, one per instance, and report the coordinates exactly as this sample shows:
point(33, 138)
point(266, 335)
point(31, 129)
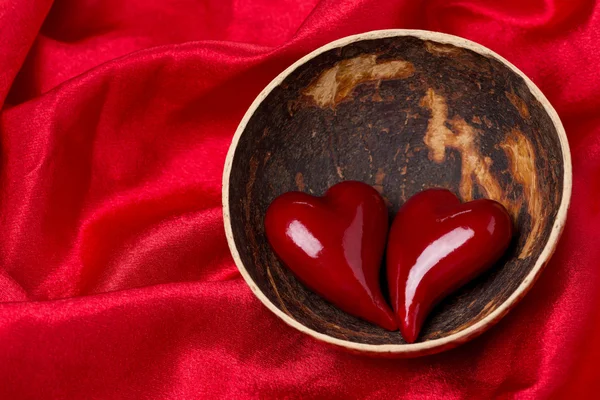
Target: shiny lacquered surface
point(334, 244)
point(436, 245)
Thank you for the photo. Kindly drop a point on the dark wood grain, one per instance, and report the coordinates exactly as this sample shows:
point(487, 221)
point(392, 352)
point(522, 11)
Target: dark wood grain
point(403, 115)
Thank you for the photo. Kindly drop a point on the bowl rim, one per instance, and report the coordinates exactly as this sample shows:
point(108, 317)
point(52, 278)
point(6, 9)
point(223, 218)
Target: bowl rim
point(454, 339)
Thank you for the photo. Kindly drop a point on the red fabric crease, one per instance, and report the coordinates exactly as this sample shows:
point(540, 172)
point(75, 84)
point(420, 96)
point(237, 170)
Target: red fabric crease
point(115, 277)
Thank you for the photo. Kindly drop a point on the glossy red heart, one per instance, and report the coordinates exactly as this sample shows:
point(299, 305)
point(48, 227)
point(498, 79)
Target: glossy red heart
point(437, 244)
point(334, 244)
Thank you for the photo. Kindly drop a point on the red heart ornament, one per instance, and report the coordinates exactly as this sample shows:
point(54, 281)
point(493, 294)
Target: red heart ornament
point(334, 244)
point(437, 244)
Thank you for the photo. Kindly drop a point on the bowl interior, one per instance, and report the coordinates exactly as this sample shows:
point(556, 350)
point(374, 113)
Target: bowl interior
point(402, 114)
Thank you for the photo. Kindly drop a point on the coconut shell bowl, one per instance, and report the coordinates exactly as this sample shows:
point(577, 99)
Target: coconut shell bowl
point(402, 111)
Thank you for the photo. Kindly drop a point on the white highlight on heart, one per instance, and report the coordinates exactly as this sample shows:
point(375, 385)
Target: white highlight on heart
point(436, 251)
point(304, 239)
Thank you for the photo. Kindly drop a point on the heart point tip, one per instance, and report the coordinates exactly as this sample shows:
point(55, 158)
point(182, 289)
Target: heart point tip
point(388, 321)
point(410, 333)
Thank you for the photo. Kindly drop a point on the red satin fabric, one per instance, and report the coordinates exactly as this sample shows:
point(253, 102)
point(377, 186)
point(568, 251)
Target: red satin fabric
point(115, 277)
